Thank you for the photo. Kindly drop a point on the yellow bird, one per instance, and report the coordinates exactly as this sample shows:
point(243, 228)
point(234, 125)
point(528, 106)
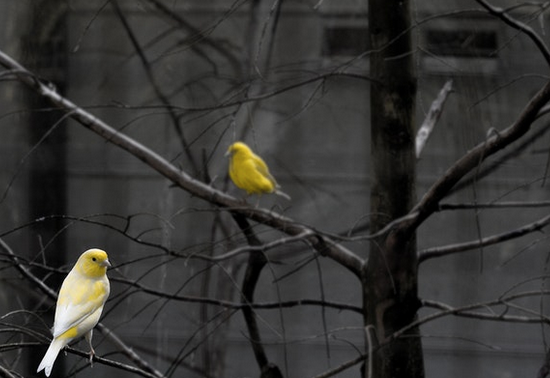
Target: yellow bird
point(79, 304)
point(249, 172)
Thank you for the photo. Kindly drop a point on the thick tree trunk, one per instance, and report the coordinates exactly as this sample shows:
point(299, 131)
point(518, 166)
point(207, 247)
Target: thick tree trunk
point(390, 276)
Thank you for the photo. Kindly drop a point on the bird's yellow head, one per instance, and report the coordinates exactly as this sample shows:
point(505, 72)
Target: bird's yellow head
point(238, 147)
point(93, 263)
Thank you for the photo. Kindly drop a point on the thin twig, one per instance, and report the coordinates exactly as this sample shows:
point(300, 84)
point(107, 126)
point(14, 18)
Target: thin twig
point(509, 20)
point(5, 373)
point(153, 81)
point(255, 248)
point(483, 242)
point(370, 346)
point(491, 205)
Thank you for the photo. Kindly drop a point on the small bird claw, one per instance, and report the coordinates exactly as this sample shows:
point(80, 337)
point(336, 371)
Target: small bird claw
point(92, 354)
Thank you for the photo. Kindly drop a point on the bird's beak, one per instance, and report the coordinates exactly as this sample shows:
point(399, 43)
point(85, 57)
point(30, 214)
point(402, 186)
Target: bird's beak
point(227, 153)
point(106, 263)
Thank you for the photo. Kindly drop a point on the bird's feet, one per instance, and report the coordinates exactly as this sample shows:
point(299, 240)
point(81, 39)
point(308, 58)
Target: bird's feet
point(92, 354)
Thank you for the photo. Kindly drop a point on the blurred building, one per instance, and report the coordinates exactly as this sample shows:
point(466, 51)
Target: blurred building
point(188, 78)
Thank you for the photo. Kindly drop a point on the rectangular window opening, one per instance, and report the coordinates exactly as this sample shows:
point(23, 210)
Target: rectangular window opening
point(345, 41)
point(462, 43)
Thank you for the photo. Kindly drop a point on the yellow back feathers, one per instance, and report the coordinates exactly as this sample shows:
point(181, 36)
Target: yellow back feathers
point(79, 304)
point(249, 172)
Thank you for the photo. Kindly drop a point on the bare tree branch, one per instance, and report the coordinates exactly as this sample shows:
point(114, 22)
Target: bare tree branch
point(325, 246)
point(496, 205)
point(340, 306)
point(545, 368)
point(256, 263)
point(432, 117)
point(509, 20)
point(116, 364)
point(483, 242)
point(5, 373)
point(467, 312)
point(162, 97)
point(430, 201)
point(446, 310)
point(201, 36)
point(255, 248)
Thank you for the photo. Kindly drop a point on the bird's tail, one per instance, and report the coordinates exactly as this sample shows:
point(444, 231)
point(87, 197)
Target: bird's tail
point(50, 356)
point(282, 194)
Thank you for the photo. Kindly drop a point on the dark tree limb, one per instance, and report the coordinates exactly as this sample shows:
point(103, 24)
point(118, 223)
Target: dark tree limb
point(545, 368)
point(256, 263)
point(495, 143)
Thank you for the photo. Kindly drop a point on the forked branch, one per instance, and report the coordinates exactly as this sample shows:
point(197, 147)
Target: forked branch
point(498, 141)
point(180, 178)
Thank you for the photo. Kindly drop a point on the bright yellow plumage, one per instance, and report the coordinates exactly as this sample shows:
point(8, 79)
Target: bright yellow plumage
point(249, 172)
point(79, 304)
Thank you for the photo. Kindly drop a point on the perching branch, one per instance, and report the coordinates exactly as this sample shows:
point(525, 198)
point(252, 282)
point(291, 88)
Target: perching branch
point(109, 335)
point(180, 178)
point(115, 364)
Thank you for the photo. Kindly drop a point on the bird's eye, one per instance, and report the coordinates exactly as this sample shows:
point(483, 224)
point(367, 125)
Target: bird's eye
point(94, 259)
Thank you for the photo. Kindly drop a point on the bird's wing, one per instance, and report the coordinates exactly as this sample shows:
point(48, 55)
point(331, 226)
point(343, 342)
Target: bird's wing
point(261, 166)
point(79, 297)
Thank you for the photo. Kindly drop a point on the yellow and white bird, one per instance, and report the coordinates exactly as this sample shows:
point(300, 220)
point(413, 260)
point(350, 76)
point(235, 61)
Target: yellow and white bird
point(79, 304)
point(249, 172)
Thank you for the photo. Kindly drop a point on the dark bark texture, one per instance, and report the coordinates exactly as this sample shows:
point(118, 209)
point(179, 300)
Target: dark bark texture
point(390, 276)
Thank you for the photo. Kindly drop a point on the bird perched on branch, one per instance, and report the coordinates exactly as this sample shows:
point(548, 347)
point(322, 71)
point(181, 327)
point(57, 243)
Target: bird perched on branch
point(79, 304)
point(250, 173)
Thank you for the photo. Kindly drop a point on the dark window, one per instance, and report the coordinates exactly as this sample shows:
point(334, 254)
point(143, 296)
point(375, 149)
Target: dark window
point(462, 43)
point(345, 41)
